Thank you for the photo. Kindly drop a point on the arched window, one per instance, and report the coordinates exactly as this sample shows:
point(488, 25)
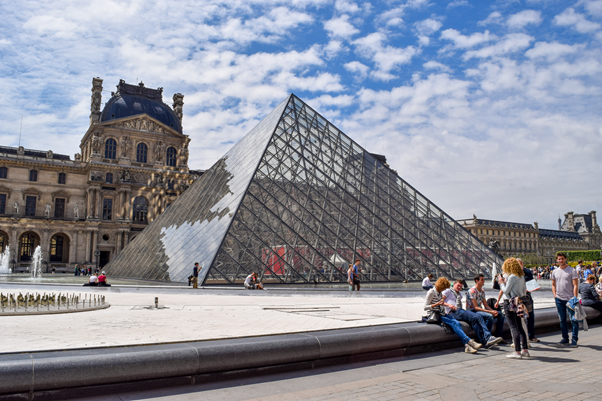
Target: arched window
point(171, 184)
point(140, 210)
point(62, 178)
point(3, 172)
point(27, 243)
point(141, 152)
point(109, 178)
point(33, 175)
point(171, 156)
point(110, 149)
point(56, 248)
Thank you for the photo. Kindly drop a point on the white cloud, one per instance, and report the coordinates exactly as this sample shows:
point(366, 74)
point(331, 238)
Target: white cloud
point(333, 48)
point(552, 51)
point(457, 3)
point(525, 17)
point(435, 65)
point(466, 42)
point(428, 26)
point(345, 6)
point(385, 57)
point(575, 20)
point(594, 7)
point(493, 18)
point(358, 69)
point(340, 27)
point(511, 43)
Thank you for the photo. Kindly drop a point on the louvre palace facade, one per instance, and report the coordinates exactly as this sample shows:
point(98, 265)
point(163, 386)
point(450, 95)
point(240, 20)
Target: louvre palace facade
point(133, 164)
point(577, 232)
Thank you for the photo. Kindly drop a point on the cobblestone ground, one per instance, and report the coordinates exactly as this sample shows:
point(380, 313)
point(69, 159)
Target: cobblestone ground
point(552, 373)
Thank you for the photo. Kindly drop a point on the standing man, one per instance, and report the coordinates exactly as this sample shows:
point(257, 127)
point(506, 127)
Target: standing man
point(195, 275)
point(565, 285)
point(531, 318)
point(356, 274)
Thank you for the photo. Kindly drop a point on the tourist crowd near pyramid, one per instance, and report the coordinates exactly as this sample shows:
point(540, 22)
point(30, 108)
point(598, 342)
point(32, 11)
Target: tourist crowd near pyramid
point(296, 200)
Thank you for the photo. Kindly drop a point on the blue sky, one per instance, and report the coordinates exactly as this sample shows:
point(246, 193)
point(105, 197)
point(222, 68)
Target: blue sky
point(486, 107)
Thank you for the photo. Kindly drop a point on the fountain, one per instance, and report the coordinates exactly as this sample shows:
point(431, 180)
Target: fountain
point(36, 265)
point(4, 261)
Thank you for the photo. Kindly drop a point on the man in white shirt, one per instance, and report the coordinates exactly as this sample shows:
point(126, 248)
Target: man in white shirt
point(453, 307)
point(579, 269)
point(477, 302)
point(565, 285)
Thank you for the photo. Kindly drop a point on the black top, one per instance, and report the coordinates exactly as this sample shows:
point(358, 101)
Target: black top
point(528, 274)
point(588, 294)
point(195, 271)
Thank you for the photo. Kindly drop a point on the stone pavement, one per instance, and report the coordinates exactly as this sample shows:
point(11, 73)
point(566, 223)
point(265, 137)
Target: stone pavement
point(204, 314)
point(550, 374)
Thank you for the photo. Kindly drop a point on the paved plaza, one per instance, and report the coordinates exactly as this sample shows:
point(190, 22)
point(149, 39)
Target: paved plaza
point(205, 314)
point(550, 374)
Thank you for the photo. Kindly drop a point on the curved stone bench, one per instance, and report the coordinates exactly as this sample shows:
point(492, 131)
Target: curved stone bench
point(87, 372)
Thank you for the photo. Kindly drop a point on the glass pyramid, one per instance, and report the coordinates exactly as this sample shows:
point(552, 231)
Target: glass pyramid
point(297, 201)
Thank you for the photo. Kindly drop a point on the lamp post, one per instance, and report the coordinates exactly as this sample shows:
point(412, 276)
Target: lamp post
point(96, 255)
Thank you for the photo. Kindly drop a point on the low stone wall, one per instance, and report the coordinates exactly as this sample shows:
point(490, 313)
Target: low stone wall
point(87, 372)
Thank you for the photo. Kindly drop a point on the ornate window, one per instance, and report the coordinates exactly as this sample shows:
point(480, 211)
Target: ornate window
point(3, 172)
point(62, 178)
point(30, 205)
point(109, 178)
point(171, 184)
point(171, 156)
point(33, 175)
point(107, 209)
point(141, 152)
point(2, 203)
point(59, 208)
point(140, 210)
point(110, 149)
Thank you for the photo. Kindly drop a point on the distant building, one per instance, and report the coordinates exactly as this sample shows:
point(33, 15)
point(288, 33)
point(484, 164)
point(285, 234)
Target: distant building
point(133, 164)
point(578, 232)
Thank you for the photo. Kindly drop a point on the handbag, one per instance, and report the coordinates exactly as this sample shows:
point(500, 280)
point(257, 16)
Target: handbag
point(528, 302)
point(434, 317)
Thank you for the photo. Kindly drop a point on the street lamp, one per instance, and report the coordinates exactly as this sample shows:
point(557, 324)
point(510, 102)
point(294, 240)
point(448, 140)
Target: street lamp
point(96, 254)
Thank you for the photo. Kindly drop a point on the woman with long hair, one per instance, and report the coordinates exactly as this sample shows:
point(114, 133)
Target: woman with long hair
point(435, 302)
point(513, 286)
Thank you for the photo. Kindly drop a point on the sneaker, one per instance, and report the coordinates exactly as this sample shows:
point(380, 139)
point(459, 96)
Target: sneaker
point(534, 340)
point(574, 344)
point(514, 355)
point(493, 341)
point(563, 343)
point(474, 344)
point(469, 350)
point(525, 354)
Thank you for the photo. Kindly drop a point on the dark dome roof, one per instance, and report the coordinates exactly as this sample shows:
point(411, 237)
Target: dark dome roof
point(131, 100)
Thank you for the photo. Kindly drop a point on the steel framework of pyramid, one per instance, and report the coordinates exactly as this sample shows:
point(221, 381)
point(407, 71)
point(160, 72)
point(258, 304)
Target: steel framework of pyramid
point(297, 201)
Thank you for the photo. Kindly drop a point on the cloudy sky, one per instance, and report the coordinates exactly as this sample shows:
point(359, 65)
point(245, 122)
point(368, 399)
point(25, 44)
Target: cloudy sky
point(486, 107)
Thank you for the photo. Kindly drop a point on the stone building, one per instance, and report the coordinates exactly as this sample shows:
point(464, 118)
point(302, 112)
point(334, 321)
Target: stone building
point(133, 164)
point(578, 232)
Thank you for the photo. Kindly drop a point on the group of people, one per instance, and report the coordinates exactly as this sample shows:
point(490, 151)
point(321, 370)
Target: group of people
point(97, 280)
point(83, 270)
point(353, 276)
point(513, 304)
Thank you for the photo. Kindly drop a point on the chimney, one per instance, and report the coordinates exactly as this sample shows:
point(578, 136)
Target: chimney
point(178, 104)
point(96, 100)
point(594, 220)
point(570, 221)
point(559, 224)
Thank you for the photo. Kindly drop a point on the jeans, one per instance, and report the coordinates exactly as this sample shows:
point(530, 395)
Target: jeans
point(516, 329)
point(562, 314)
point(476, 322)
point(427, 287)
point(487, 318)
point(456, 327)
